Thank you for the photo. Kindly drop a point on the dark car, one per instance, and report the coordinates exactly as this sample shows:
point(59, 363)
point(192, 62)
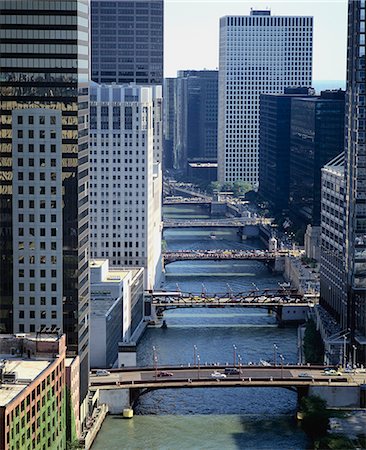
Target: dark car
point(165, 374)
point(232, 371)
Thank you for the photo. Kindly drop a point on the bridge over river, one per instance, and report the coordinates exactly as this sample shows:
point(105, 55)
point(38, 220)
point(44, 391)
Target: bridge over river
point(218, 255)
point(123, 386)
point(215, 223)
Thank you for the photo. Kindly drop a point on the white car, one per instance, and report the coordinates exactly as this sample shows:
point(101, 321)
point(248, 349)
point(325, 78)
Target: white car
point(102, 373)
point(218, 375)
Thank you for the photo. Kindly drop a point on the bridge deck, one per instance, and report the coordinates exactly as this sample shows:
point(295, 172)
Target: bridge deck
point(248, 376)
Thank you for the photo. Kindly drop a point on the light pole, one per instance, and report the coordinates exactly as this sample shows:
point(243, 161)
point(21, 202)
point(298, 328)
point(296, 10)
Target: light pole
point(198, 365)
point(344, 351)
point(155, 360)
point(275, 348)
point(239, 363)
point(354, 355)
point(234, 354)
point(194, 355)
point(282, 358)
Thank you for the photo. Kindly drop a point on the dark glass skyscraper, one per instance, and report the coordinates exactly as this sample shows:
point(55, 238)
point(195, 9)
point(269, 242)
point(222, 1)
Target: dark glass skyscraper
point(127, 41)
point(44, 171)
point(317, 134)
point(274, 146)
point(355, 176)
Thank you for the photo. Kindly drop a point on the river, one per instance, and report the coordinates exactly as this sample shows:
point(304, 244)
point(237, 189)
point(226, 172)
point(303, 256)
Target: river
point(212, 419)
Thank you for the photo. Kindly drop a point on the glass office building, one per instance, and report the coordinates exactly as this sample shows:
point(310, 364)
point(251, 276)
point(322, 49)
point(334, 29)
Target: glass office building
point(44, 171)
point(127, 41)
point(355, 172)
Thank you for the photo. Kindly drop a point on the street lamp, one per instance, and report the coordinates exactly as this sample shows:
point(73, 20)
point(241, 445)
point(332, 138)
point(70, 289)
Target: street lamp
point(282, 358)
point(344, 351)
point(234, 354)
point(239, 363)
point(275, 348)
point(155, 361)
point(354, 355)
point(198, 365)
point(194, 355)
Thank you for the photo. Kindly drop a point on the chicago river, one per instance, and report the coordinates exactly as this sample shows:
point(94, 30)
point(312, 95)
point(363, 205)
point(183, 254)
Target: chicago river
point(211, 419)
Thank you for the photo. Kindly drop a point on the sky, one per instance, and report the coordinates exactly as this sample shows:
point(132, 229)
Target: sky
point(192, 32)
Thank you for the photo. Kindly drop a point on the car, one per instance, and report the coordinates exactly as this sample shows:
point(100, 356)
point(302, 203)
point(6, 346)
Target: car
point(102, 373)
point(232, 371)
point(304, 375)
point(165, 374)
point(332, 372)
point(218, 375)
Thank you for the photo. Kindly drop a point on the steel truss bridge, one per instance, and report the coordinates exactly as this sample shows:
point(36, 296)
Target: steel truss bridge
point(218, 255)
point(225, 223)
point(267, 298)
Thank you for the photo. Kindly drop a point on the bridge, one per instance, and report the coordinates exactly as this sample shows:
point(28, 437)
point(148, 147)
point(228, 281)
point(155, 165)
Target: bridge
point(219, 255)
point(253, 298)
point(186, 201)
point(216, 223)
point(123, 386)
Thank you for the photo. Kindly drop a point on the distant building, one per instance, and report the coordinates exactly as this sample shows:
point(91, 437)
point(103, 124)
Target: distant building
point(117, 310)
point(258, 54)
point(333, 294)
point(169, 118)
point(317, 134)
point(127, 41)
point(32, 391)
point(275, 146)
point(355, 185)
point(126, 178)
point(195, 108)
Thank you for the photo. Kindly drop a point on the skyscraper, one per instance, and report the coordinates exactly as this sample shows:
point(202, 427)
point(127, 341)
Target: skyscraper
point(258, 54)
point(274, 146)
point(355, 176)
point(127, 41)
point(44, 171)
point(125, 181)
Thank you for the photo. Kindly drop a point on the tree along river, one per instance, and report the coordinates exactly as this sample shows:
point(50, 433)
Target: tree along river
point(212, 419)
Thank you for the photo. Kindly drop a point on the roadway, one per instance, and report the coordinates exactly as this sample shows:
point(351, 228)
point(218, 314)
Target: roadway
point(254, 376)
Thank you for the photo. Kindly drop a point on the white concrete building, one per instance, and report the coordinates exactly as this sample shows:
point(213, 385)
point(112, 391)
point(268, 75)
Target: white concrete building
point(258, 54)
point(126, 179)
point(116, 309)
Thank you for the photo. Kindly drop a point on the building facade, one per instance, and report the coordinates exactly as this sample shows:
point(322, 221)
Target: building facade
point(258, 54)
point(333, 295)
point(32, 392)
point(44, 171)
point(355, 173)
point(317, 134)
point(117, 310)
point(126, 180)
point(169, 108)
point(274, 146)
point(196, 117)
point(127, 41)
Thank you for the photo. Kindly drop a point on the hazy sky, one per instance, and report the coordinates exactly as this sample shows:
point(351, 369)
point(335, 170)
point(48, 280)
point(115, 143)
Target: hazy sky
point(192, 32)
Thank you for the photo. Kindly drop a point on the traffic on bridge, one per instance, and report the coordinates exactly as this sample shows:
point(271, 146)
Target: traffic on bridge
point(219, 254)
point(253, 298)
point(238, 375)
point(228, 222)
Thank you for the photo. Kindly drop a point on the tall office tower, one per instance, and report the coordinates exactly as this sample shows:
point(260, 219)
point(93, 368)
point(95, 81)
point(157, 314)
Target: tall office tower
point(126, 183)
point(274, 146)
point(127, 41)
point(44, 171)
point(317, 134)
point(332, 275)
point(355, 170)
point(169, 121)
point(259, 54)
point(196, 116)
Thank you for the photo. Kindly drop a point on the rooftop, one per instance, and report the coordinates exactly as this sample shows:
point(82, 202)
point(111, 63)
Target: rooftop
point(26, 371)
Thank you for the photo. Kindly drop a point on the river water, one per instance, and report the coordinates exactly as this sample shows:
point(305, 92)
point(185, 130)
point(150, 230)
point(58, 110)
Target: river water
point(222, 418)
